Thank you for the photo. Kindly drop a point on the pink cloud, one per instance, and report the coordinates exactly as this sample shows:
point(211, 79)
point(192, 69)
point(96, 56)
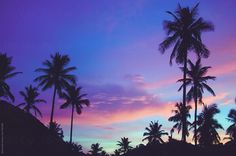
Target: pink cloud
point(224, 69)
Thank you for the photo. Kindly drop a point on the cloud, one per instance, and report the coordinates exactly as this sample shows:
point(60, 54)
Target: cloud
point(116, 104)
point(139, 81)
point(224, 69)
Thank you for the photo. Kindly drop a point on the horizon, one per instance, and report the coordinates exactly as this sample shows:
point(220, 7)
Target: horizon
point(114, 46)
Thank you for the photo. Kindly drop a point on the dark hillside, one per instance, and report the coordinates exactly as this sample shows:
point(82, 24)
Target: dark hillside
point(26, 135)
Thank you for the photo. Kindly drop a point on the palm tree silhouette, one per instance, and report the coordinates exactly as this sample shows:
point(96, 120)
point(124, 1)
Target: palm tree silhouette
point(207, 131)
point(124, 145)
point(96, 149)
point(154, 133)
point(184, 32)
point(30, 97)
point(75, 99)
point(116, 152)
point(75, 148)
point(56, 129)
point(6, 72)
point(55, 74)
point(197, 80)
point(231, 130)
point(180, 114)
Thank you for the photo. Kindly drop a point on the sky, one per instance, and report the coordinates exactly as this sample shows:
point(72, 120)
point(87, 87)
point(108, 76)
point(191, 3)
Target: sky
point(114, 45)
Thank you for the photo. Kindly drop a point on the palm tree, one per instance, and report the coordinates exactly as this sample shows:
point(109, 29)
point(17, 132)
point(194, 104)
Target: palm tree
point(6, 72)
point(124, 145)
point(74, 147)
point(30, 97)
point(197, 80)
point(231, 130)
point(184, 33)
point(154, 133)
point(56, 74)
point(75, 99)
point(116, 153)
point(180, 114)
point(96, 149)
point(56, 129)
point(207, 131)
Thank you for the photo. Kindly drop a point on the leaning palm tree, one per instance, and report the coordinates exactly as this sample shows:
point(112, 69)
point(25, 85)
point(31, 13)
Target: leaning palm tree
point(95, 149)
point(30, 96)
point(197, 80)
point(76, 100)
point(6, 72)
point(231, 130)
point(180, 114)
point(124, 145)
point(154, 133)
point(184, 33)
point(207, 131)
point(56, 74)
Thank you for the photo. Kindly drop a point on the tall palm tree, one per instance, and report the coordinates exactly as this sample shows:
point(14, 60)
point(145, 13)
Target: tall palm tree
point(197, 80)
point(184, 34)
point(76, 100)
point(30, 96)
point(56, 74)
point(207, 131)
point(6, 72)
point(96, 149)
point(56, 129)
point(124, 145)
point(180, 114)
point(154, 133)
point(231, 130)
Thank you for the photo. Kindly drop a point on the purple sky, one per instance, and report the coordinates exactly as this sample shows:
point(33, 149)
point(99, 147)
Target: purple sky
point(114, 44)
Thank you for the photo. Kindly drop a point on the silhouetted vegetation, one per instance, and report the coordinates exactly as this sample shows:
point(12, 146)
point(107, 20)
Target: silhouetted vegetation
point(96, 150)
point(76, 100)
point(154, 133)
point(30, 97)
point(124, 145)
point(56, 74)
point(27, 136)
point(184, 32)
point(197, 80)
point(6, 72)
point(180, 114)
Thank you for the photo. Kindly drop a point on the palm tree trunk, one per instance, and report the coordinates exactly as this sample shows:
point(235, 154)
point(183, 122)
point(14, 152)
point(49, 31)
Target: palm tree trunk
point(195, 121)
point(53, 103)
point(71, 124)
point(184, 129)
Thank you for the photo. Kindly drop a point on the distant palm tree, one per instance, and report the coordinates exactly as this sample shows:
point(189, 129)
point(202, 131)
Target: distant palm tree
point(55, 74)
point(116, 153)
point(30, 97)
point(76, 100)
point(197, 80)
point(207, 131)
point(104, 153)
point(184, 34)
point(180, 114)
point(231, 130)
point(96, 149)
point(124, 145)
point(56, 129)
point(154, 133)
point(75, 148)
point(6, 72)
